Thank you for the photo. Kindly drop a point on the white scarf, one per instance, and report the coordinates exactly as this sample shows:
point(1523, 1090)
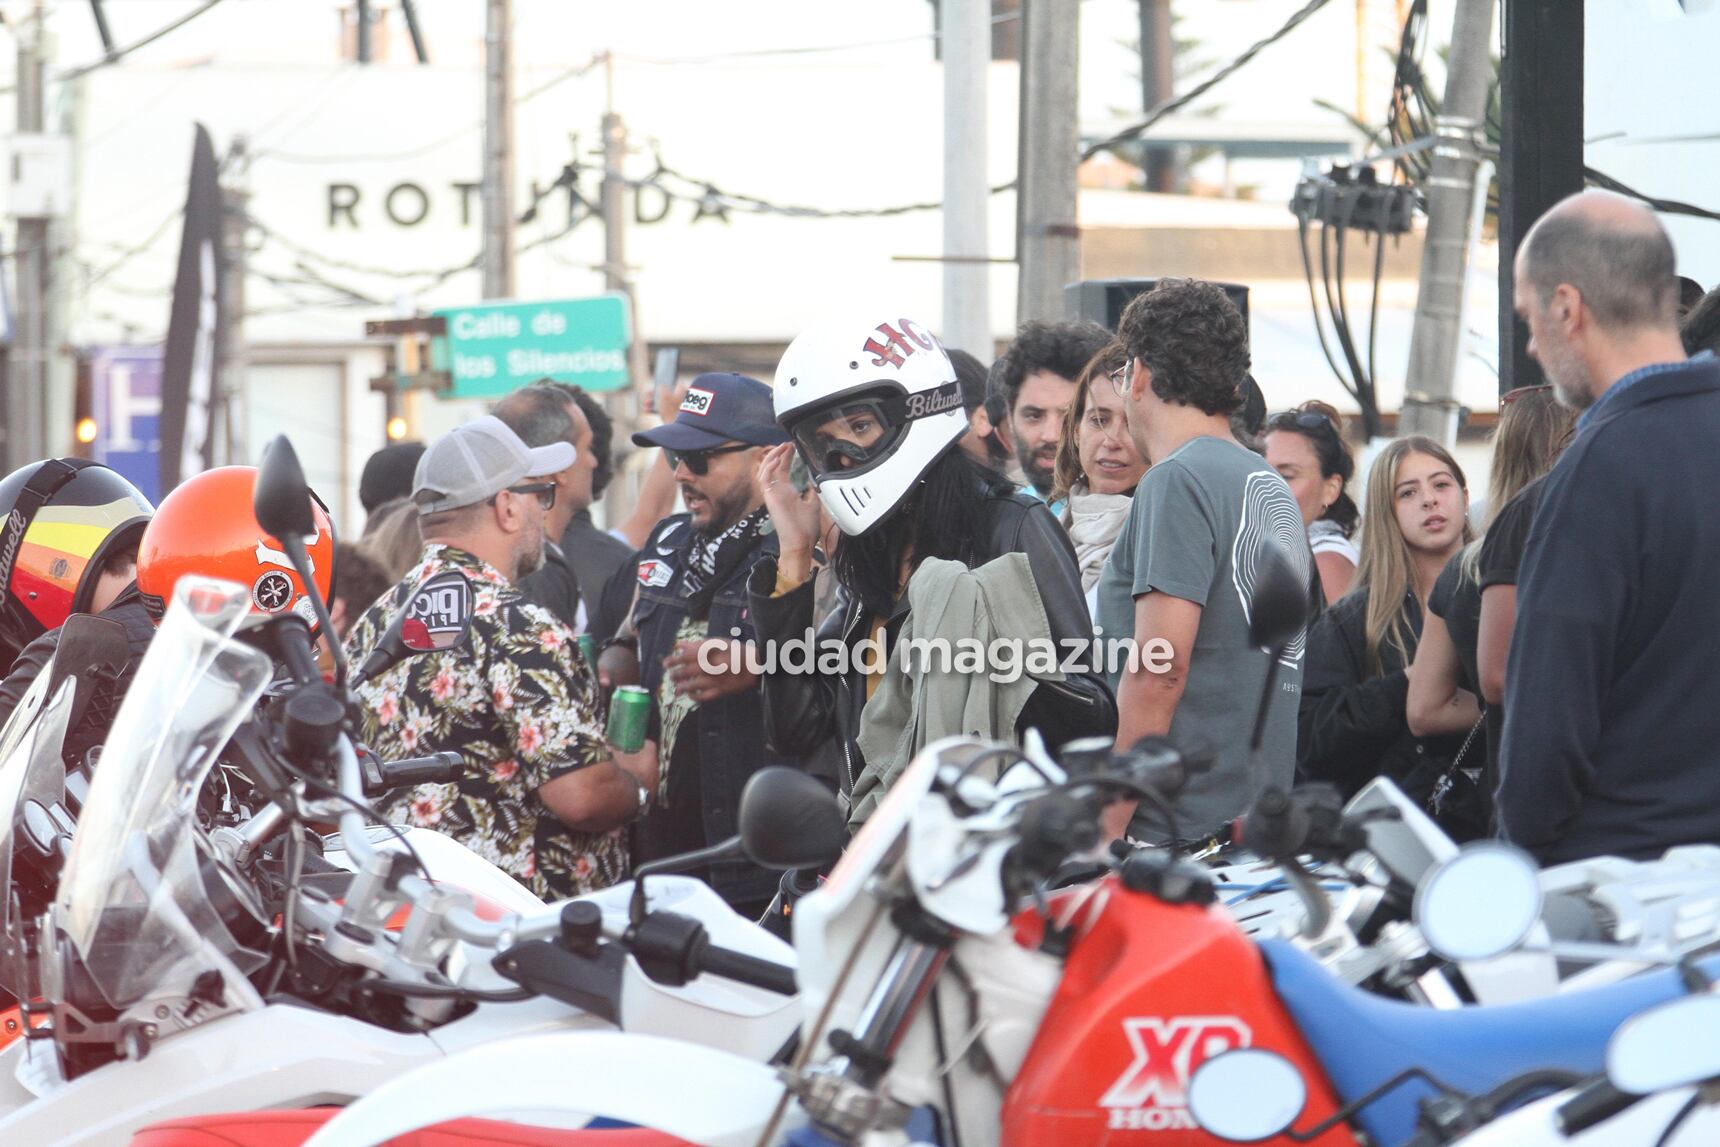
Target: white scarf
point(1094, 522)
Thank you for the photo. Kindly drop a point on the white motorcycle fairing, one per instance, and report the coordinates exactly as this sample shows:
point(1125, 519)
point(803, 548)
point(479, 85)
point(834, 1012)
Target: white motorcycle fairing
point(626, 1077)
point(287, 1056)
point(1640, 1126)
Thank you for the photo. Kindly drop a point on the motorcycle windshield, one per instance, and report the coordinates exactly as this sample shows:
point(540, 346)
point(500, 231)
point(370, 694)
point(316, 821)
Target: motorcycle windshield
point(31, 769)
point(134, 902)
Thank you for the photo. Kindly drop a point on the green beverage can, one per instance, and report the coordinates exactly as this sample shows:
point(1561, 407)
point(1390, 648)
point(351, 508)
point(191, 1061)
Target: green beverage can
point(629, 712)
point(588, 650)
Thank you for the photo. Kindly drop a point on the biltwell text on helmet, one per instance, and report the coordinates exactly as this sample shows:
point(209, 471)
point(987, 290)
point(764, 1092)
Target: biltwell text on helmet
point(871, 406)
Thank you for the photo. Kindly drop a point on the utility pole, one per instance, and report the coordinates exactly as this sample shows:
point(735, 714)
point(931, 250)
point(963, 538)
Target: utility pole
point(622, 405)
point(27, 374)
point(498, 186)
point(1540, 145)
point(1430, 403)
point(1047, 238)
point(1158, 84)
point(234, 354)
point(967, 212)
point(361, 11)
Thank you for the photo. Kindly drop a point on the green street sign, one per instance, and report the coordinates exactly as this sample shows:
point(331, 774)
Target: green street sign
point(496, 348)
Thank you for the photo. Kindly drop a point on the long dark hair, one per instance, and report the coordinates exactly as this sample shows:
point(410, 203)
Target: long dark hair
point(939, 519)
point(1330, 447)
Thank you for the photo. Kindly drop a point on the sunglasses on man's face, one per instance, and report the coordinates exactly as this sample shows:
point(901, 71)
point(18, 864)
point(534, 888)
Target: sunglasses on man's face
point(545, 492)
point(698, 462)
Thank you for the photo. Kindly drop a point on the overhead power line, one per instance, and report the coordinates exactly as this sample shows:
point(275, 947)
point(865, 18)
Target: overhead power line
point(118, 54)
point(1177, 103)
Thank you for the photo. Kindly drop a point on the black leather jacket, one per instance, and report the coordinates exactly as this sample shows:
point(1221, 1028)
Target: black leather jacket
point(92, 727)
point(803, 710)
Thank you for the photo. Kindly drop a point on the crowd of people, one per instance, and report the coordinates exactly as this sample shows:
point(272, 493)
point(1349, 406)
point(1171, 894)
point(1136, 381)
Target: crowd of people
point(1108, 499)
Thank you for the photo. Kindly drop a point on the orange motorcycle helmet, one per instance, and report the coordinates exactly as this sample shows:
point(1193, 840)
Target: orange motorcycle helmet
point(206, 527)
point(60, 521)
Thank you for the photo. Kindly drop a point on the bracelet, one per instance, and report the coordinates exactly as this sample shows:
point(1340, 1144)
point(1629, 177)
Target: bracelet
point(625, 642)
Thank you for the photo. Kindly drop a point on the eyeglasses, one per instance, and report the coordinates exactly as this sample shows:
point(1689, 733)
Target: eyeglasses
point(1511, 396)
point(545, 492)
point(1120, 379)
point(698, 462)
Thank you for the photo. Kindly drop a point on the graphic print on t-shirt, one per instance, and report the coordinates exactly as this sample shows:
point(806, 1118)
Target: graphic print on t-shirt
point(1269, 518)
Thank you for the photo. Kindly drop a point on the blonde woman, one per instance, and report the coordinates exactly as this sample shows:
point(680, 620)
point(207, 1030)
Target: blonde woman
point(1533, 430)
point(1098, 467)
point(1351, 725)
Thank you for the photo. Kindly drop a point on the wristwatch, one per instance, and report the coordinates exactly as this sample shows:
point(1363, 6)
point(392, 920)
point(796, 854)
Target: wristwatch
point(644, 800)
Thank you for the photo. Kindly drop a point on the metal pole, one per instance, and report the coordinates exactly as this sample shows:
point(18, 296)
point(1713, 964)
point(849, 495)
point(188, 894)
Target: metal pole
point(1049, 241)
point(411, 13)
point(1158, 84)
point(1430, 403)
point(1540, 145)
point(623, 404)
point(498, 187)
point(235, 212)
point(362, 13)
point(28, 375)
point(967, 284)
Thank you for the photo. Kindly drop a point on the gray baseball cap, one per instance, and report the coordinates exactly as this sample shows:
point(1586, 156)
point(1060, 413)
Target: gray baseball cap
point(479, 460)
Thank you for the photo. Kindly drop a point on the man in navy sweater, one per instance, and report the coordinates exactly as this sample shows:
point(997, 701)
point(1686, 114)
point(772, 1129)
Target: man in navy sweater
point(1612, 718)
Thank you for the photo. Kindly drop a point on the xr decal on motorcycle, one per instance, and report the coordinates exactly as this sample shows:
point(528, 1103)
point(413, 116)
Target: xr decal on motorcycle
point(1152, 1095)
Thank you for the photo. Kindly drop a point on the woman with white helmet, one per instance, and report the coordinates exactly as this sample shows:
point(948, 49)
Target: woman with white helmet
point(875, 412)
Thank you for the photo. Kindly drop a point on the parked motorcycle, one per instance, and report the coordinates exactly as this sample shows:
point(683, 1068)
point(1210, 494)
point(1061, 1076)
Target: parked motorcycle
point(1083, 1019)
point(188, 966)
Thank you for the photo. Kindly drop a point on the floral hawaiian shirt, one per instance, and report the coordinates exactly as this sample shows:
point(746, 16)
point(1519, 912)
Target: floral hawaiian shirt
point(518, 701)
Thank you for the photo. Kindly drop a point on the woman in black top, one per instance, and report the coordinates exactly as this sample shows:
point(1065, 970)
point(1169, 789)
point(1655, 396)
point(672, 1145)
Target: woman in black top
point(1533, 430)
point(1351, 725)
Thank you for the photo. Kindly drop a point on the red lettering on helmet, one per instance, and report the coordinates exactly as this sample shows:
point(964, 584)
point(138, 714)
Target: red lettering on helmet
point(913, 331)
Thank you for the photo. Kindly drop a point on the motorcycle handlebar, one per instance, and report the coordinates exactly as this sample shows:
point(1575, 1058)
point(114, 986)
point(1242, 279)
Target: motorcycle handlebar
point(1596, 1103)
point(293, 641)
point(745, 969)
point(434, 769)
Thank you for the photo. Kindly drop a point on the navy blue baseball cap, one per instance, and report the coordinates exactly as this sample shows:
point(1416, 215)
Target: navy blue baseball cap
point(719, 408)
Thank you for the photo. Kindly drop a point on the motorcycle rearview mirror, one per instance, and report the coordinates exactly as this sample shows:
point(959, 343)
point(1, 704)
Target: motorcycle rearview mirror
point(790, 820)
point(281, 502)
point(1479, 904)
point(282, 498)
point(1675, 1044)
point(1246, 1095)
point(1278, 608)
point(787, 820)
point(438, 616)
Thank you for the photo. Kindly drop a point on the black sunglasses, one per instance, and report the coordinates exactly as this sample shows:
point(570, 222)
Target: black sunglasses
point(1302, 420)
point(545, 492)
point(698, 462)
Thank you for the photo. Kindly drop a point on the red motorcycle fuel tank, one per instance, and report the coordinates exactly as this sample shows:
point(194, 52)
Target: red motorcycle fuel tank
point(1150, 992)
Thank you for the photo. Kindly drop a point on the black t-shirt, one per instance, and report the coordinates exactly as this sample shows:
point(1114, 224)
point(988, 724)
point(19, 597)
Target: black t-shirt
point(1502, 548)
point(681, 826)
point(1457, 601)
point(1501, 554)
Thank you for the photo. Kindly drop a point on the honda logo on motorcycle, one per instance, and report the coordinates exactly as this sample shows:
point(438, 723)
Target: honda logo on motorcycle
point(1152, 1095)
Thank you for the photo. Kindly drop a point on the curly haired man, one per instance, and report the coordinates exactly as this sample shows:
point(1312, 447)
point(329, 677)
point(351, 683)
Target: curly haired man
point(1180, 578)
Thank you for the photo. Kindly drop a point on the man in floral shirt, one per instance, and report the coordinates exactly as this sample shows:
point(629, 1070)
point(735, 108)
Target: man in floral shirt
point(543, 797)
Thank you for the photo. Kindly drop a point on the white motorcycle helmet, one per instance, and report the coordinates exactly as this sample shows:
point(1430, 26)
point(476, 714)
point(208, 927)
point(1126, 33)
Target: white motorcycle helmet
point(871, 406)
